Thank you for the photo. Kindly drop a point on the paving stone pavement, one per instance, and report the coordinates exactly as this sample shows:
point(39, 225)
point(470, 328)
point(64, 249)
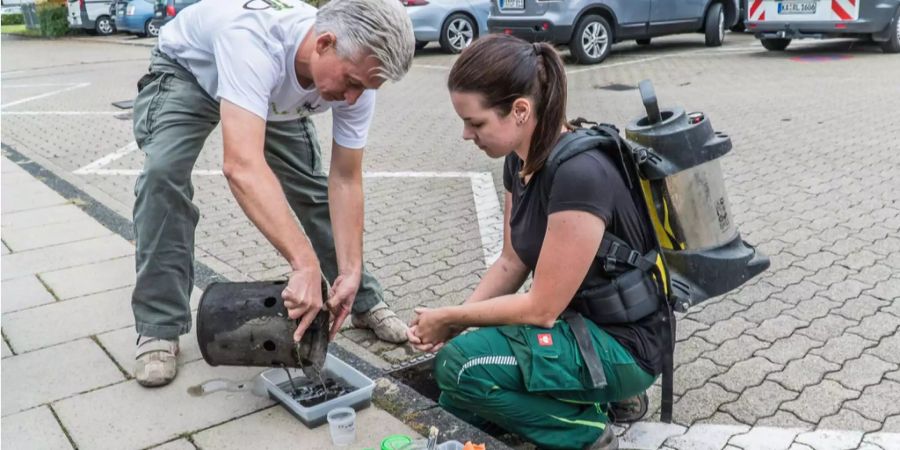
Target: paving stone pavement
point(804, 355)
point(68, 350)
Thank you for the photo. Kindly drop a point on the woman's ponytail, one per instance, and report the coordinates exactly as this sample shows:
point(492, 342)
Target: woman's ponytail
point(550, 101)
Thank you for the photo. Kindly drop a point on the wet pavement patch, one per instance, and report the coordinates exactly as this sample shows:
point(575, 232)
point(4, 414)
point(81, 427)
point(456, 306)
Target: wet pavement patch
point(616, 87)
point(819, 58)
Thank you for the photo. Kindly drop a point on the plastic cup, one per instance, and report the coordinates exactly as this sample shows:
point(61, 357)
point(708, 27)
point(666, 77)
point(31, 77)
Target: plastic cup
point(342, 424)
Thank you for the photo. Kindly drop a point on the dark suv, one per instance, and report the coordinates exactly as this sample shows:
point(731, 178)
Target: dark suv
point(590, 27)
point(166, 10)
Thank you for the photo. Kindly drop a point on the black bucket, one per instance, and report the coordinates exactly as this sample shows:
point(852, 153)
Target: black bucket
point(246, 324)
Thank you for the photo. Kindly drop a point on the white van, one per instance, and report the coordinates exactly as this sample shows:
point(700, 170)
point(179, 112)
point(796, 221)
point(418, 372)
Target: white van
point(91, 15)
point(776, 22)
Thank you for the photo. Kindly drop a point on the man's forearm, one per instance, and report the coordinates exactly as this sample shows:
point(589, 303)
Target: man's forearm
point(260, 195)
point(345, 198)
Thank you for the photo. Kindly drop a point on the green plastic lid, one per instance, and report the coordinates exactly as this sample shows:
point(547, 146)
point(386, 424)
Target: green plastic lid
point(395, 442)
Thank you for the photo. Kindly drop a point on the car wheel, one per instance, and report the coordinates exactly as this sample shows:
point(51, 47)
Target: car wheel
point(892, 45)
point(457, 33)
point(645, 41)
point(421, 44)
point(104, 26)
point(150, 29)
point(715, 25)
point(592, 40)
point(775, 44)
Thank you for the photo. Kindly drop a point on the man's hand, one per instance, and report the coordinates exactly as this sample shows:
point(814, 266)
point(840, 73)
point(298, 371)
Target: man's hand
point(341, 301)
point(303, 298)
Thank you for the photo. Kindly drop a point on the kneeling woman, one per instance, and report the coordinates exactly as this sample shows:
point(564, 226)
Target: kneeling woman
point(523, 369)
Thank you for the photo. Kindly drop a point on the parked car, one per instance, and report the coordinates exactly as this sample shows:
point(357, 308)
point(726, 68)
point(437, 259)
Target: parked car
point(91, 15)
point(134, 16)
point(453, 23)
point(776, 23)
point(740, 26)
point(166, 10)
point(590, 27)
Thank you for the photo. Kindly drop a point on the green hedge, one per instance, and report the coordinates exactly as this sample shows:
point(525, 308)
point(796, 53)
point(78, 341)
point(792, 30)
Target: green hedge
point(12, 19)
point(53, 20)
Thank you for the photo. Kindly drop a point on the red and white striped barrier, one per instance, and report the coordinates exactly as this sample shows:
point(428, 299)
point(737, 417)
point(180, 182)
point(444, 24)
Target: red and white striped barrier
point(803, 11)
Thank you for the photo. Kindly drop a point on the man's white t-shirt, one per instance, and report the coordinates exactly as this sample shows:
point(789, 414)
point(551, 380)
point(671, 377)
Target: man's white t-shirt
point(243, 51)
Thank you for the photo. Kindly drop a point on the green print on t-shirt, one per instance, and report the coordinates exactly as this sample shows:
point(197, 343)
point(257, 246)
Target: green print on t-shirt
point(259, 5)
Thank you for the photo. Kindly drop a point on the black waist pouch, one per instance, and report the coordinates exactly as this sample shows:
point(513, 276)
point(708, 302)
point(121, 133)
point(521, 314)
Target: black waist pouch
point(626, 298)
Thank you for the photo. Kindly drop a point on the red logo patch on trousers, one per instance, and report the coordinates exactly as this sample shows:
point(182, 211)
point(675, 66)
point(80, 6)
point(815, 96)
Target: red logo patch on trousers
point(545, 339)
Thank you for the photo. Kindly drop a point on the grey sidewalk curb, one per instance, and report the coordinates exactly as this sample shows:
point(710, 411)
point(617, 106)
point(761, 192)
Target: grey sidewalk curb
point(94, 40)
point(391, 395)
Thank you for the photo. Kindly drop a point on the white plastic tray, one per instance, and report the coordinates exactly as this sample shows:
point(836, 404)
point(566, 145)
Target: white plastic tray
point(277, 384)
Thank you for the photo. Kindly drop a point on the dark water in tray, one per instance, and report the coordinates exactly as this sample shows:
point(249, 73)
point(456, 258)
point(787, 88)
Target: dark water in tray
point(309, 393)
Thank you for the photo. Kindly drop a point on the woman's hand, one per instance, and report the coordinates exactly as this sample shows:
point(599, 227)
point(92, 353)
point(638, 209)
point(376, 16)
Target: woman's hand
point(417, 343)
point(430, 330)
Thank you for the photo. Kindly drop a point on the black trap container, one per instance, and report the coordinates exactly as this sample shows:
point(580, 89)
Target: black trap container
point(246, 324)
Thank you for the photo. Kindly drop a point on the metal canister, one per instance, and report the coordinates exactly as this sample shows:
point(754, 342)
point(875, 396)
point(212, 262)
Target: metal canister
point(693, 189)
point(685, 191)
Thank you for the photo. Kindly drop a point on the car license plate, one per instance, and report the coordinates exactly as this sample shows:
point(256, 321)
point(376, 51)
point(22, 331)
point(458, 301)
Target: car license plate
point(797, 7)
point(511, 4)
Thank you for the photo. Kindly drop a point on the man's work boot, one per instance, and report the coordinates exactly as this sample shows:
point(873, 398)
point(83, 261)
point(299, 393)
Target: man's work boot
point(381, 320)
point(606, 441)
point(155, 361)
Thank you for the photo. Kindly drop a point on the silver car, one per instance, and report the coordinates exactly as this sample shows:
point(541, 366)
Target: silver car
point(590, 27)
point(453, 23)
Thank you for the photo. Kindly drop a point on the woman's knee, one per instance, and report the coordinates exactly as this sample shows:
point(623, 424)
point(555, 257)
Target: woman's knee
point(447, 364)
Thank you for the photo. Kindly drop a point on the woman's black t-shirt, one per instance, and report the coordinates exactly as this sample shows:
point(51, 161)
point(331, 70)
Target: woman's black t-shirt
point(591, 183)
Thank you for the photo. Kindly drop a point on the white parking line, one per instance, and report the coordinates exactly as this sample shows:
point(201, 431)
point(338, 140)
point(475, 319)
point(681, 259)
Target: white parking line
point(61, 113)
point(697, 52)
point(654, 435)
point(634, 61)
point(94, 166)
point(428, 66)
point(490, 216)
point(484, 194)
point(34, 85)
point(47, 94)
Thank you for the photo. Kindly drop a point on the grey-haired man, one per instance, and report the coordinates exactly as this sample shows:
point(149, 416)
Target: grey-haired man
point(262, 67)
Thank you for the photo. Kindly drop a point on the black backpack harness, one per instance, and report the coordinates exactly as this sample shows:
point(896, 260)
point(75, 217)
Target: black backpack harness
point(634, 286)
